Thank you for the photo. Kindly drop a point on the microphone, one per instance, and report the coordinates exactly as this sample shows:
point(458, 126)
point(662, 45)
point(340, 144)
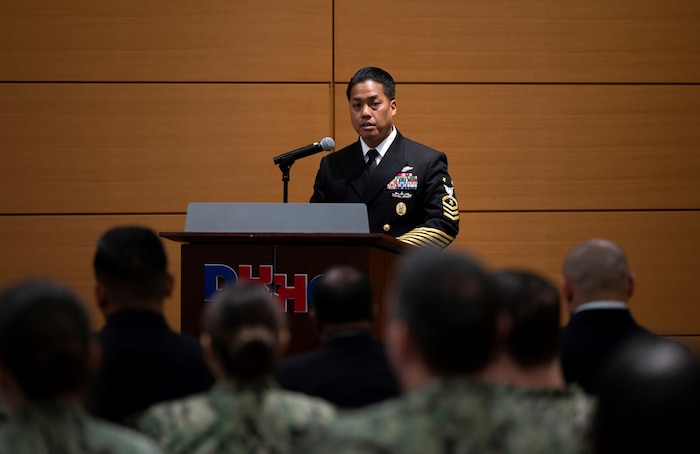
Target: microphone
point(326, 144)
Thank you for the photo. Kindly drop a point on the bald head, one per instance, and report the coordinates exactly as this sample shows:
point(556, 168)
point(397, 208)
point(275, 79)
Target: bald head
point(596, 269)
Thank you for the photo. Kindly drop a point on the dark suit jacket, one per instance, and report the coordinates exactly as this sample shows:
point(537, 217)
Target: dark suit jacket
point(589, 337)
point(350, 371)
point(409, 195)
point(144, 362)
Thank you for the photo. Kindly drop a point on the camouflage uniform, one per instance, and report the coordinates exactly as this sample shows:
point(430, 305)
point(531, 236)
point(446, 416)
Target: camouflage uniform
point(563, 414)
point(235, 417)
point(450, 416)
point(60, 428)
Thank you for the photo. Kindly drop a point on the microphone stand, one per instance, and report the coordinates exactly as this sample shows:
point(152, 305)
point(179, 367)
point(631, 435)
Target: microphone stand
point(284, 167)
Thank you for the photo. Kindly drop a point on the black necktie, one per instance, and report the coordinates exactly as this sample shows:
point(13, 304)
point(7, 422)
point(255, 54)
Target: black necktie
point(371, 161)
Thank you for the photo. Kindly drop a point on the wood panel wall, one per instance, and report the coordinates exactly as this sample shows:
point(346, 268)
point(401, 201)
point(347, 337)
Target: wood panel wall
point(561, 121)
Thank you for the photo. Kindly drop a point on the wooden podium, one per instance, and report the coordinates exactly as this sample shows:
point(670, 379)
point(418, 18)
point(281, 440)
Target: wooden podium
point(287, 263)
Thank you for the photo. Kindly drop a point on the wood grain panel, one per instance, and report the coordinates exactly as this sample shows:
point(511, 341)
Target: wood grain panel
point(62, 248)
point(556, 147)
point(662, 249)
point(173, 40)
point(153, 148)
point(515, 41)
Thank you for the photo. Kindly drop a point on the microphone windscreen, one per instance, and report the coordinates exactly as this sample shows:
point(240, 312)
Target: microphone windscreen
point(327, 144)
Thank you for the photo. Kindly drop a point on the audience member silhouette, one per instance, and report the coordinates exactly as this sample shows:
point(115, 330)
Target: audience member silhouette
point(648, 399)
point(597, 286)
point(441, 336)
point(246, 412)
point(350, 368)
point(144, 360)
point(47, 352)
point(527, 361)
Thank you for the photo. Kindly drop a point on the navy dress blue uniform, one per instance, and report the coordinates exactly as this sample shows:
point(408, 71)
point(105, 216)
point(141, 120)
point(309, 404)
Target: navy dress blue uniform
point(348, 370)
point(410, 194)
point(589, 337)
point(144, 362)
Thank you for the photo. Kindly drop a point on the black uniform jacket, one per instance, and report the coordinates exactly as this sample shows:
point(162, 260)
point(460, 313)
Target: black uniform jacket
point(589, 337)
point(409, 196)
point(350, 371)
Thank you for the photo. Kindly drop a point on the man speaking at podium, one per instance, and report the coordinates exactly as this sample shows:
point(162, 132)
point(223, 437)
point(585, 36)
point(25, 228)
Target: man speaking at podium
point(405, 185)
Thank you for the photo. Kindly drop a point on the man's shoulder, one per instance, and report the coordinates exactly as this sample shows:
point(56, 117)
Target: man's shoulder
point(602, 322)
point(437, 401)
point(300, 360)
point(198, 404)
point(416, 422)
point(343, 153)
point(417, 147)
point(292, 406)
point(570, 405)
point(117, 439)
point(172, 416)
point(126, 335)
point(385, 418)
point(293, 371)
point(91, 435)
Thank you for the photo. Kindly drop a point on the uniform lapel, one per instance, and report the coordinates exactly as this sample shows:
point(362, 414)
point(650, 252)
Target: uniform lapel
point(355, 173)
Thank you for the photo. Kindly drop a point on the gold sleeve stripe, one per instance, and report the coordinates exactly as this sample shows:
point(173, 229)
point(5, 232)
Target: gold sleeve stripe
point(427, 236)
point(430, 232)
point(420, 242)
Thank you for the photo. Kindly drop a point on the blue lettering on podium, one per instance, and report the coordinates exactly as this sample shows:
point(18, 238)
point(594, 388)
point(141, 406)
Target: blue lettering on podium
point(216, 276)
point(300, 290)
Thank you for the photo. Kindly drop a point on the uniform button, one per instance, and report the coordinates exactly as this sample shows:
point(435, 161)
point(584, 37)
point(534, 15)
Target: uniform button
point(386, 227)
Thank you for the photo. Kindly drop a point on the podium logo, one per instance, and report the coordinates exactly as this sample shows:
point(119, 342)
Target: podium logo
point(298, 289)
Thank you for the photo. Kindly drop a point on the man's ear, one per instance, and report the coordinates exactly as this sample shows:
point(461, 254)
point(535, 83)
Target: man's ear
point(169, 284)
point(567, 289)
point(632, 282)
point(101, 297)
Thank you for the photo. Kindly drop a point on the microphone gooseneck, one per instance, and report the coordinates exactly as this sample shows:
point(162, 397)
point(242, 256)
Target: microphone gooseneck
point(325, 144)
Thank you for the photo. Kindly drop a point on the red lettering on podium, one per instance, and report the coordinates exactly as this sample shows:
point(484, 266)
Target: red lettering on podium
point(264, 271)
point(297, 291)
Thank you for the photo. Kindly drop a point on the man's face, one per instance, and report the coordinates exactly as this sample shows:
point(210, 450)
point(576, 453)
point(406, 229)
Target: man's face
point(371, 112)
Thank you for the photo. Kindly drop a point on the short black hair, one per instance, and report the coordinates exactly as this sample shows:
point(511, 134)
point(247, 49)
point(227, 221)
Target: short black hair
point(534, 306)
point(377, 75)
point(343, 294)
point(132, 259)
point(244, 322)
point(448, 302)
point(44, 338)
